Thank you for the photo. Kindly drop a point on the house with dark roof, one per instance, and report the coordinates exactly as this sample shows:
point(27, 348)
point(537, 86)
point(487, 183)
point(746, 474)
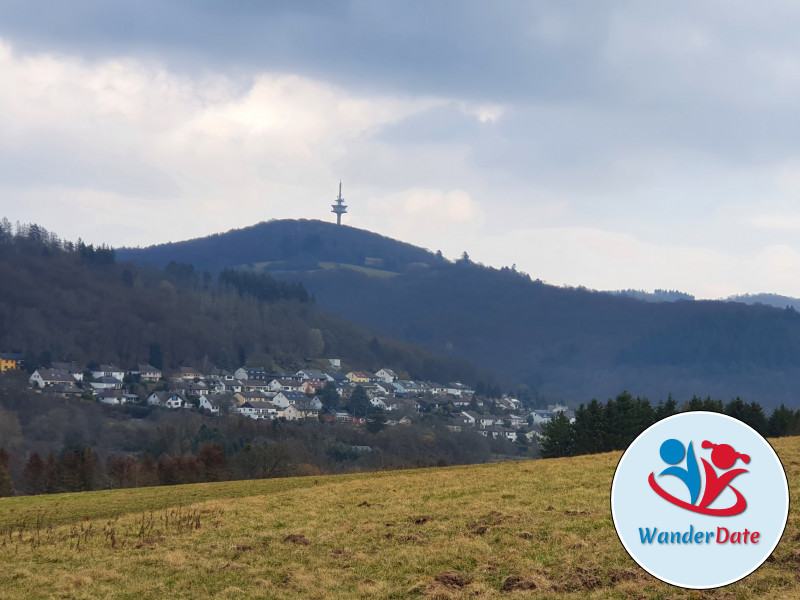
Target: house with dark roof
point(63, 390)
point(313, 375)
point(45, 377)
point(386, 375)
point(115, 396)
point(147, 373)
point(243, 373)
point(209, 405)
point(166, 399)
point(284, 399)
point(72, 367)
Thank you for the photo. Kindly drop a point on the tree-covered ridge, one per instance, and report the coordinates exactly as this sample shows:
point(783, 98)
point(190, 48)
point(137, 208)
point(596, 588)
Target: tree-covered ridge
point(613, 425)
point(261, 287)
point(68, 301)
point(564, 343)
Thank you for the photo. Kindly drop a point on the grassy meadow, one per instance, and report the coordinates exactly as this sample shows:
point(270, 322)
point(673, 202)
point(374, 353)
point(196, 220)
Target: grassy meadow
point(509, 530)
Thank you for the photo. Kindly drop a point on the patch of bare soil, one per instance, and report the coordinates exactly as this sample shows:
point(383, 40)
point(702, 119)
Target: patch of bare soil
point(451, 579)
point(296, 538)
point(514, 583)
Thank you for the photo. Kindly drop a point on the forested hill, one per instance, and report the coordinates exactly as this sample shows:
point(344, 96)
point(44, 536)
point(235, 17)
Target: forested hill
point(290, 242)
point(62, 301)
point(571, 344)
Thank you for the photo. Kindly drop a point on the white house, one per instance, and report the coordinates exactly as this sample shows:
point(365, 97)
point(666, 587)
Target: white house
point(313, 375)
point(386, 375)
point(115, 396)
point(378, 403)
point(209, 405)
point(265, 410)
point(437, 389)
point(540, 417)
point(246, 410)
point(384, 388)
point(46, 377)
point(517, 421)
point(284, 399)
point(148, 373)
point(257, 410)
point(216, 385)
point(188, 388)
point(108, 371)
point(342, 416)
point(499, 433)
point(243, 373)
point(403, 387)
point(255, 385)
point(166, 399)
point(402, 404)
point(285, 385)
point(470, 416)
point(458, 389)
point(487, 421)
point(106, 383)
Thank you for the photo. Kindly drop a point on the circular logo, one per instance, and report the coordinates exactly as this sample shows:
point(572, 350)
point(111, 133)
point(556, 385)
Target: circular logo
point(699, 500)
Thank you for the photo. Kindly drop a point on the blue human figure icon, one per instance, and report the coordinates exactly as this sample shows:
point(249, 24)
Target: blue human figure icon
point(672, 452)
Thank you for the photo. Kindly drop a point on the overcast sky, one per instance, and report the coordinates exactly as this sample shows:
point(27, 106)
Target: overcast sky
point(611, 145)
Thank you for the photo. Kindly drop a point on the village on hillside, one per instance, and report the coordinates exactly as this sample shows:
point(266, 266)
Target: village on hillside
point(323, 395)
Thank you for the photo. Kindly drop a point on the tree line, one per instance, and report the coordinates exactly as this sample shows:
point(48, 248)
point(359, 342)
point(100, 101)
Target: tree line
point(613, 425)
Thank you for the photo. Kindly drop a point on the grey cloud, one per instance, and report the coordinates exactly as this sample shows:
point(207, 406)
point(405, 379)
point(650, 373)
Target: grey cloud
point(449, 48)
point(624, 54)
point(44, 159)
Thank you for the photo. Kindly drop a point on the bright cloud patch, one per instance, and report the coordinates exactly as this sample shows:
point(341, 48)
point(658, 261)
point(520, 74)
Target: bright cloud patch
point(213, 153)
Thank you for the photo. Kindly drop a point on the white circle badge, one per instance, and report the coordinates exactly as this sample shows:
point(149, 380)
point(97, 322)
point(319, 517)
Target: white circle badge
point(699, 500)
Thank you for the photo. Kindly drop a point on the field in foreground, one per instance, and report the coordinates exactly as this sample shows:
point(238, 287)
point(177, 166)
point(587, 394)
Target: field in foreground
point(511, 530)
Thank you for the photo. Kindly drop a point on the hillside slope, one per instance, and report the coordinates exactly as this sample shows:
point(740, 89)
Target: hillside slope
point(565, 343)
point(68, 305)
point(522, 529)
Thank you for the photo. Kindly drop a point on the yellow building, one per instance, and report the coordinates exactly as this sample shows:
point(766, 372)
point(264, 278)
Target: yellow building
point(10, 362)
point(357, 377)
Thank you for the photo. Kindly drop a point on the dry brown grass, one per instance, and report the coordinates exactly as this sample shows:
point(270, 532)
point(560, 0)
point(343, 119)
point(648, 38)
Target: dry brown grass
point(512, 530)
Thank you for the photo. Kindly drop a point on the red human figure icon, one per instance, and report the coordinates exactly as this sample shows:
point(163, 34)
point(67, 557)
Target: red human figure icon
point(724, 457)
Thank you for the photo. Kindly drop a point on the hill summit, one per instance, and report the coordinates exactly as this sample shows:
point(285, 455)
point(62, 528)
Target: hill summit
point(286, 244)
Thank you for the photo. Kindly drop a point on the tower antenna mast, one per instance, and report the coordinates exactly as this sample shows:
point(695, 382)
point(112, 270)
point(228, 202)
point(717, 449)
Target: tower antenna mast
point(340, 207)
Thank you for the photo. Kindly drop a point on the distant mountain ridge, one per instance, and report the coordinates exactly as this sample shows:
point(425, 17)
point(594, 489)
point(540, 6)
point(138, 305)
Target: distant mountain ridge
point(568, 344)
point(775, 300)
point(659, 295)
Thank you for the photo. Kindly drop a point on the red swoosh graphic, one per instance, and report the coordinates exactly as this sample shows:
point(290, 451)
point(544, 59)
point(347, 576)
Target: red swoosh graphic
point(737, 508)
